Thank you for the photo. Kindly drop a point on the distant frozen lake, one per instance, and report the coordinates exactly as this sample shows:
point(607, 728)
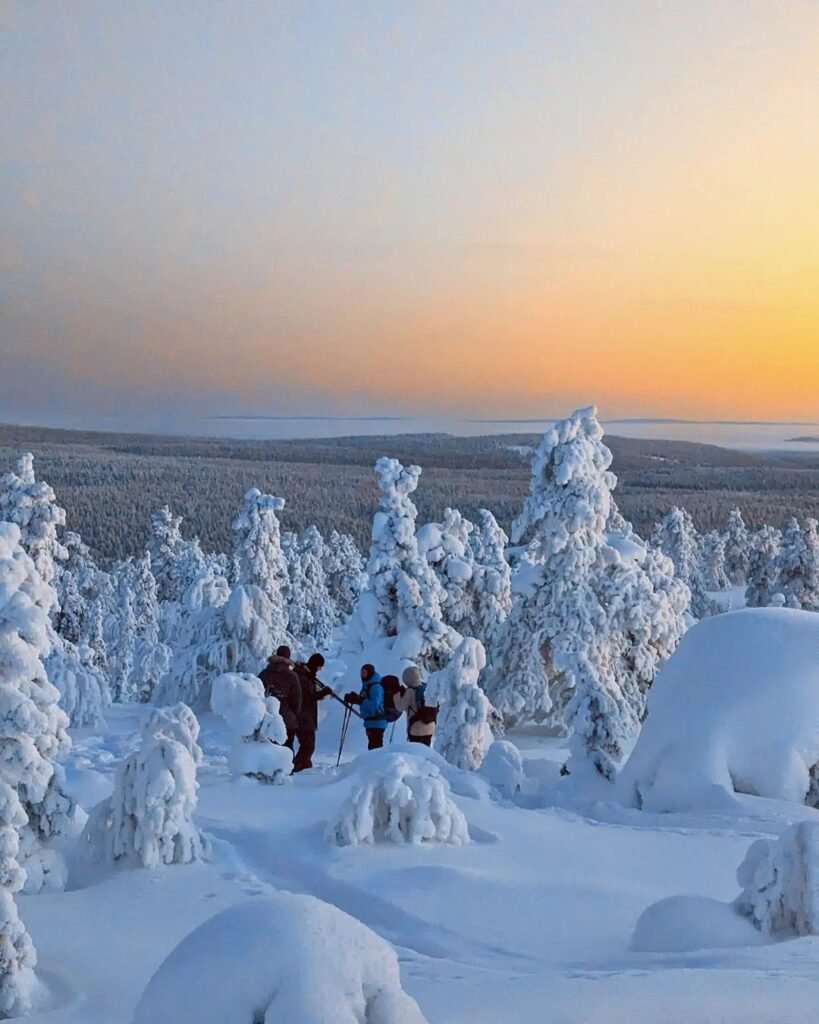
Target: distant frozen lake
point(747, 436)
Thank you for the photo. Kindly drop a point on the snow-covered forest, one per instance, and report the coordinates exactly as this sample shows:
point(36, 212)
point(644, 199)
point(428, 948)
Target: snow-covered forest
point(620, 714)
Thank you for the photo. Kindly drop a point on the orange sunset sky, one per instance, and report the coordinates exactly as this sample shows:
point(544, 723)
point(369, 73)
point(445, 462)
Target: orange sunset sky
point(491, 209)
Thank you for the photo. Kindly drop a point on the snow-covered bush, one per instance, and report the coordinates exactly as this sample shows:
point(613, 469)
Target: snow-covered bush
point(17, 955)
point(148, 819)
point(736, 708)
point(398, 798)
point(403, 600)
point(763, 567)
point(33, 727)
point(463, 735)
point(257, 727)
point(286, 957)
point(502, 767)
point(84, 694)
point(780, 882)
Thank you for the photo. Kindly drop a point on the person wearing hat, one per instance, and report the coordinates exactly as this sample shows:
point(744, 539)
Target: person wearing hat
point(420, 722)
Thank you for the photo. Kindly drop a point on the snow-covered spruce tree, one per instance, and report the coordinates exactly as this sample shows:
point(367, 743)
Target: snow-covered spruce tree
point(737, 547)
point(17, 955)
point(557, 637)
point(780, 883)
point(312, 616)
point(491, 581)
point(403, 600)
point(257, 545)
point(199, 653)
point(83, 688)
point(344, 572)
point(175, 561)
point(257, 728)
point(148, 819)
point(445, 546)
point(121, 633)
point(646, 606)
point(75, 582)
point(32, 505)
point(713, 561)
point(33, 734)
point(676, 536)
point(763, 567)
point(463, 735)
point(798, 563)
point(151, 657)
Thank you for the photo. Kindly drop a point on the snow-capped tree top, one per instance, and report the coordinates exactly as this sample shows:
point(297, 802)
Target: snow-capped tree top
point(32, 505)
point(571, 465)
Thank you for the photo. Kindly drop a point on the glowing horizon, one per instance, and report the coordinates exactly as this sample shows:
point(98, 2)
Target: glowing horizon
point(472, 209)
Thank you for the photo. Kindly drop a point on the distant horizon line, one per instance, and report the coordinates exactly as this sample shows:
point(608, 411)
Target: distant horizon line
point(669, 420)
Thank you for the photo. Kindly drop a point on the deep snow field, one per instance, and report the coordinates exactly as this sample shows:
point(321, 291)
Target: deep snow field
point(533, 921)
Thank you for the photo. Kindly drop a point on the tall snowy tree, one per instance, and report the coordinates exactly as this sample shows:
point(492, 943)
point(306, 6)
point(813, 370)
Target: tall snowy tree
point(151, 656)
point(175, 561)
point(763, 567)
point(121, 633)
point(344, 572)
point(737, 547)
point(312, 616)
point(491, 579)
point(17, 955)
point(33, 728)
point(446, 547)
point(713, 561)
point(798, 564)
point(676, 536)
point(403, 600)
point(557, 637)
point(463, 735)
point(257, 545)
point(32, 505)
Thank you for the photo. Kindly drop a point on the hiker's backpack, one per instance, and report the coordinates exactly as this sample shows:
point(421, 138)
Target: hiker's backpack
point(392, 688)
point(425, 713)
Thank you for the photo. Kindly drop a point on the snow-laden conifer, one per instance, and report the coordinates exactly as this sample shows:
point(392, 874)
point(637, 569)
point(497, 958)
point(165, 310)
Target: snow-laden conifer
point(261, 562)
point(17, 954)
point(148, 819)
point(798, 565)
point(737, 547)
point(463, 734)
point(344, 572)
point(32, 505)
point(33, 727)
point(713, 560)
point(312, 616)
point(676, 536)
point(763, 567)
point(780, 883)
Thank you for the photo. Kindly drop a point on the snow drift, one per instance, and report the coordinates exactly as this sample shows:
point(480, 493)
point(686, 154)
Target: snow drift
point(399, 798)
point(285, 958)
point(735, 709)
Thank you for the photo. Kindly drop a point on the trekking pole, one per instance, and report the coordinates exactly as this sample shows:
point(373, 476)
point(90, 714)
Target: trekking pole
point(347, 707)
point(344, 725)
point(392, 732)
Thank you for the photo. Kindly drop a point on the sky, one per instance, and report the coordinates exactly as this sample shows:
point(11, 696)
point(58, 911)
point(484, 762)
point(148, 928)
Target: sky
point(475, 209)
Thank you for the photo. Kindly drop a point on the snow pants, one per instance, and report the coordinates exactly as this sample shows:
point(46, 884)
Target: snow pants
point(375, 739)
point(307, 744)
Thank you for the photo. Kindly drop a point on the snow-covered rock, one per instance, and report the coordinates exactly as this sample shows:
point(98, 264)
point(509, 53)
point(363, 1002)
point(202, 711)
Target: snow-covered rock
point(399, 798)
point(286, 958)
point(780, 882)
point(736, 708)
point(257, 727)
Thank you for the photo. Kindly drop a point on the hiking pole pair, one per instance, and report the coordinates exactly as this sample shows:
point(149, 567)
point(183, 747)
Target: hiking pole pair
point(345, 725)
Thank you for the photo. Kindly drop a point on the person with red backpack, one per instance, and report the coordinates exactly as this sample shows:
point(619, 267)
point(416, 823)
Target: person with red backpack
point(421, 716)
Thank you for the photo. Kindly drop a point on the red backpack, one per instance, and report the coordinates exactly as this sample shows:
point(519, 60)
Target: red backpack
point(392, 688)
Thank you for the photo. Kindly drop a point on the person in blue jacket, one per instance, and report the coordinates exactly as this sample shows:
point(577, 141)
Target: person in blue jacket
point(371, 702)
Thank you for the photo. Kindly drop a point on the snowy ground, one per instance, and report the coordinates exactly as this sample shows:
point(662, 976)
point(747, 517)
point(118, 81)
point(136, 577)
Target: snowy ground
point(530, 922)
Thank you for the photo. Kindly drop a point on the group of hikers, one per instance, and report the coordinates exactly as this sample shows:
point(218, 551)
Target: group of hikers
point(379, 703)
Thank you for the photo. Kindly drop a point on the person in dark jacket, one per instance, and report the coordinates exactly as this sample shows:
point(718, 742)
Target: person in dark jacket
point(280, 681)
point(371, 702)
point(312, 691)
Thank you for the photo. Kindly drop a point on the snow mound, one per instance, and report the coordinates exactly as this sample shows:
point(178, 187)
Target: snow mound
point(399, 798)
point(503, 768)
point(286, 958)
point(258, 728)
point(780, 882)
point(682, 924)
point(735, 709)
